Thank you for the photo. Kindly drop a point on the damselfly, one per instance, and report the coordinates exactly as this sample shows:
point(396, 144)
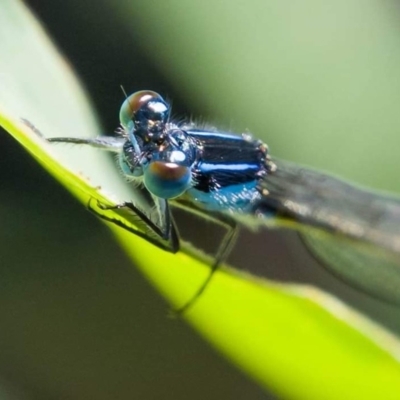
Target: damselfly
point(232, 180)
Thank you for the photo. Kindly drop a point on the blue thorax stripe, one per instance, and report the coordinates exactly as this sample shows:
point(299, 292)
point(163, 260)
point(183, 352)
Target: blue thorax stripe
point(214, 167)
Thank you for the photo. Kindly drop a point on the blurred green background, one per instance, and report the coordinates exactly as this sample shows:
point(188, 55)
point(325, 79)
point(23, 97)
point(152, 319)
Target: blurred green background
point(319, 83)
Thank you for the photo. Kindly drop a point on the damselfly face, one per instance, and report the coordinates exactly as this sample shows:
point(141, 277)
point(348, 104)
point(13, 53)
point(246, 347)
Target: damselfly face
point(156, 151)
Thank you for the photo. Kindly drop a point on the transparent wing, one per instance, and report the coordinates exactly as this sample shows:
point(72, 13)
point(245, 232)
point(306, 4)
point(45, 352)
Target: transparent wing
point(354, 232)
point(372, 270)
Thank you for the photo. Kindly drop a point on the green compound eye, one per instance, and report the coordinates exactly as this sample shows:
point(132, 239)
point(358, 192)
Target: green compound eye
point(133, 103)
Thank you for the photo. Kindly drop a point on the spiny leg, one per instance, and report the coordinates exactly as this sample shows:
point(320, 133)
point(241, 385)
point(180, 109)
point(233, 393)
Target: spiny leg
point(223, 252)
point(141, 225)
point(168, 238)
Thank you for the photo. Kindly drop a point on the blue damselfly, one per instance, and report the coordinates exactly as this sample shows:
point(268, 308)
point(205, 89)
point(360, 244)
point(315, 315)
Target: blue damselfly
point(233, 180)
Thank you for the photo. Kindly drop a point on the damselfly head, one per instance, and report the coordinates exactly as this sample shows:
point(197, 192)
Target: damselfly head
point(159, 154)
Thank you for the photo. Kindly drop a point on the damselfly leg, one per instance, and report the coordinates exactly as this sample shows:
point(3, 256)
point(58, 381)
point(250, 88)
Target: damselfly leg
point(224, 248)
point(169, 240)
point(140, 225)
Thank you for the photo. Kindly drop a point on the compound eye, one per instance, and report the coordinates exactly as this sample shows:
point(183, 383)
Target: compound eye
point(133, 103)
point(167, 179)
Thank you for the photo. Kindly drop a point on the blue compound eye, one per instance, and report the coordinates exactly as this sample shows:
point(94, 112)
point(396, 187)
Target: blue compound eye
point(167, 179)
point(134, 103)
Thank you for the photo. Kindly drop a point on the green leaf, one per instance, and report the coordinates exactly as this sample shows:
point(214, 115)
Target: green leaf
point(293, 339)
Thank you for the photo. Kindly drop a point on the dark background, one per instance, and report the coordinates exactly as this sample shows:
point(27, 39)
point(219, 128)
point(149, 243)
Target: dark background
point(78, 321)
